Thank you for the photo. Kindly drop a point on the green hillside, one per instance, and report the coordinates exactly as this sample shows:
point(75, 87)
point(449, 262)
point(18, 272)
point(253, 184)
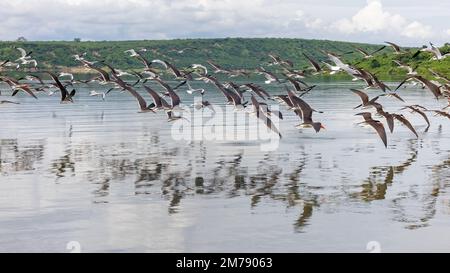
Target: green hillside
point(383, 65)
point(228, 52)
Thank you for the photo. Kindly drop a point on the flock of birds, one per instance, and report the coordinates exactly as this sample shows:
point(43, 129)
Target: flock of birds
point(237, 94)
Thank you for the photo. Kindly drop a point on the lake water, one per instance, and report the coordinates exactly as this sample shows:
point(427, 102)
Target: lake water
point(114, 180)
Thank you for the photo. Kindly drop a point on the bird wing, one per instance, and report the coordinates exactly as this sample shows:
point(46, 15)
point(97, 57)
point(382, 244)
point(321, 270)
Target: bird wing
point(394, 46)
point(268, 122)
point(301, 105)
point(422, 114)
point(381, 48)
point(362, 51)
point(61, 87)
point(390, 121)
point(142, 103)
point(313, 63)
point(155, 96)
point(431, 86)
point(403, 82)
point(22, 52)
point(403, 120)
point(173, 96)
point(160, 62)
point(363, 96)
point(397, 96)
point(378, 126)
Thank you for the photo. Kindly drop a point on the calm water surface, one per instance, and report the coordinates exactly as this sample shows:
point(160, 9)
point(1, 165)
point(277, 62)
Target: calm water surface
point(115, 181)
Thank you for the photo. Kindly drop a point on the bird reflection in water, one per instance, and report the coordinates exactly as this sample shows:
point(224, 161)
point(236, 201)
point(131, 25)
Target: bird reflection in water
point(15, 158)
point(192, 171)
point(372, 189)
point(424, 199)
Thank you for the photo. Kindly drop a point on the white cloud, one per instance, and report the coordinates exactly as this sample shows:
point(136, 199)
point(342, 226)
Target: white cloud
point(370, 18)
point(160, 19)
point(373, 18)
point(417, 30)
point(307, 21)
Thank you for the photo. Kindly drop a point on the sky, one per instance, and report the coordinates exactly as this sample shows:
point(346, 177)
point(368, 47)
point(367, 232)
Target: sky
point(407, 22)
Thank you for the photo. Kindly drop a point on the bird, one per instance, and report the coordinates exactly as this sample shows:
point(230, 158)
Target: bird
point(181, 51)
point(388, 116)
point(395, 47)
point(29, 61)
point(218, 85)
point(16, 86)
point(431, 86)
point(403, 120)
point(218, 68)
point(366, 54)
point(171, 68)
point(440, 113)
point(292, 73)
point(35, 78)
point(191, 90)
point(420, 110)
point(172, 117)
point(270, 77)
point(333, 68)
point(392, 94)
point(203, 103)
point(143, 107)
point(375, 124)
point(201, 67)
point(364, 98)
point(236, 100)
point(264, 117)
point(4, 63)
point(439, 76)
point(8, 102)
point(284, 100)
point(378, 83)
point(314, 65)
point(175, 99)
point(434, 50)
point(24, 55)
point(66, 97)
point(66, 74)
point(262, 106)
point(300, 86)
point(132, 52)
point(411, 70)
point(258, 90)
point(12, 64)
point(276, 60)
point(159, 103)
point(93, 93)
point(342, 66)
point(304, 111)
point(104, 76)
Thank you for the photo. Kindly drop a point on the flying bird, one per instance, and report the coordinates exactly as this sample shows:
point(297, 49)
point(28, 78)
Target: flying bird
point(395, 47)
point(376, 124)
point(431, 86)
point(66, 97)
point(304, 111)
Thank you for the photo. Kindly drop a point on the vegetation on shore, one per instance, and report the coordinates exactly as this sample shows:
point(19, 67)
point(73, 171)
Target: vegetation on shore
point(246, 53)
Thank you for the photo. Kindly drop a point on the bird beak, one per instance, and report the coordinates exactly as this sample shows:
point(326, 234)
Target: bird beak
point(323, 127)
